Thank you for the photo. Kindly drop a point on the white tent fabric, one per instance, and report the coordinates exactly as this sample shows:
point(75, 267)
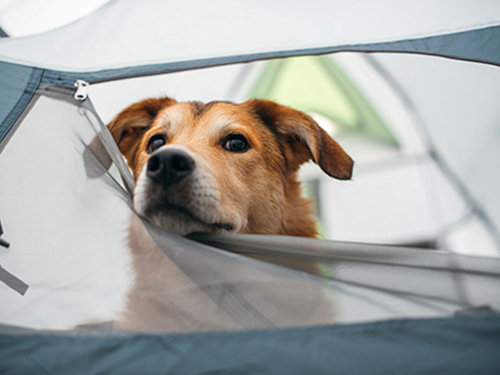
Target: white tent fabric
point(129, 40)
point(117, 36)
point(42, 15)
point(461, 124)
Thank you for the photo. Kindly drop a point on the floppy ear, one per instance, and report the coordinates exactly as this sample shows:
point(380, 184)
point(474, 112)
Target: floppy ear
point(306, 138)
point(132, 122)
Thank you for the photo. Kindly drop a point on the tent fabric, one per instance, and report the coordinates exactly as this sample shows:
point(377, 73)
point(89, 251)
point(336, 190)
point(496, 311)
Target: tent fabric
point(113, 37)
point(466, 143)
point(477, 45)
point(53, 14)
point(67, 213)
point(17, 86)
point(463, 46)
point(436, 346)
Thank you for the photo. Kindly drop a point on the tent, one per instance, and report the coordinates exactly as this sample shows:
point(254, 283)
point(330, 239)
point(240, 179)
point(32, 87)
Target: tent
point(418, 83)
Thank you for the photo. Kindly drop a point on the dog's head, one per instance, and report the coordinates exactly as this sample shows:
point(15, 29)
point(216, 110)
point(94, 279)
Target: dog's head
point(224, 167)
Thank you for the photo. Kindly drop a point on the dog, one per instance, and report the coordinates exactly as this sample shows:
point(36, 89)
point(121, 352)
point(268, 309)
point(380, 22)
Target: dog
point(217, 167)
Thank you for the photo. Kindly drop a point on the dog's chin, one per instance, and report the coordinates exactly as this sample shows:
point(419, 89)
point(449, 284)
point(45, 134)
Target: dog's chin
point(178, 220)
point(178, 224)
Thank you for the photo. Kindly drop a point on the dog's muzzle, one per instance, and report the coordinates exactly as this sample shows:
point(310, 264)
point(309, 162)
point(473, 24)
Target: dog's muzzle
point(169, 166)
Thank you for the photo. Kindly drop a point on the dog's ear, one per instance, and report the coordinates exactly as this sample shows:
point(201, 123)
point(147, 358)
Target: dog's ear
point(132, 122)
point(305, 137)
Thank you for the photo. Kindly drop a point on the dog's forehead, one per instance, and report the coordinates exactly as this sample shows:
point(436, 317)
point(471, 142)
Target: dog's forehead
point(175, 116)
point(215, 116)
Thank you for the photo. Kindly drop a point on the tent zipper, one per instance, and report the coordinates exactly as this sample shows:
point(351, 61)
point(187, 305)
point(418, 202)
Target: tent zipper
point(78, 90)
point(82, 89)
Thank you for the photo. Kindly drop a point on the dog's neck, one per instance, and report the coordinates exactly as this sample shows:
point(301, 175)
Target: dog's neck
point(298, 212)
point(293, 213)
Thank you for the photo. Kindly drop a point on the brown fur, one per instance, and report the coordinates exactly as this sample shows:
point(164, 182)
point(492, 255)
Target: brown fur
point(255, 192)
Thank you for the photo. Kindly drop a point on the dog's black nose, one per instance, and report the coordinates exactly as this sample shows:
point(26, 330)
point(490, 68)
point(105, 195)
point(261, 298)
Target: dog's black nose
point(169, 166)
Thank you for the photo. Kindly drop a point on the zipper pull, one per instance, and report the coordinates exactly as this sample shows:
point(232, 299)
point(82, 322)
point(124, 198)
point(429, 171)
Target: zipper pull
point(82, 88)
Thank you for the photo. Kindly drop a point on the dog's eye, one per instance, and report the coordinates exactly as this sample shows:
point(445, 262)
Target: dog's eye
point(236, 143)
point(155, 142)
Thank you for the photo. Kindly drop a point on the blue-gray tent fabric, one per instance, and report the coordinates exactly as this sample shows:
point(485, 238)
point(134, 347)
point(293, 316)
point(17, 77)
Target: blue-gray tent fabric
point(438, 346)
point(17, 86)
point(477, 45)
